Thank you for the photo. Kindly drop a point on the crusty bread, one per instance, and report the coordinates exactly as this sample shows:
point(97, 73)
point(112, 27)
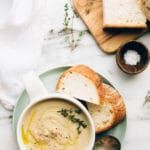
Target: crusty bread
point(82, 83)
point(145, 6)
point(110, 113)
point(123, 14)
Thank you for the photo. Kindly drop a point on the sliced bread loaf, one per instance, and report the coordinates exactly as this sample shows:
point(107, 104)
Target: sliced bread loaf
point(145, 6)
point(82, 83)
point(110, 113)
point(123, 14)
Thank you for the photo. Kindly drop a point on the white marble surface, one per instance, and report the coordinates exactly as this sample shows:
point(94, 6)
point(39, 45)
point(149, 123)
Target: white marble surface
point(54, 51)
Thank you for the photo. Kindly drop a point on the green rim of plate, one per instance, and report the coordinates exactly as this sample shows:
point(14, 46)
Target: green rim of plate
point(118, 131)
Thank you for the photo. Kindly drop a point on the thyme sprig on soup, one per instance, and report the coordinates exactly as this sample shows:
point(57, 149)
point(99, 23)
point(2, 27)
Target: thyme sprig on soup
point(72, 116)
point(55, 124)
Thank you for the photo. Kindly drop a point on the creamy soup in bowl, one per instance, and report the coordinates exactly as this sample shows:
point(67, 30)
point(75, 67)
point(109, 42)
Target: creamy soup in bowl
point(55, 124)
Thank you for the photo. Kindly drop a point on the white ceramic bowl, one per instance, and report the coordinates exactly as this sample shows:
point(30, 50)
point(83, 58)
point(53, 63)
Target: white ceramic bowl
point(37, 94)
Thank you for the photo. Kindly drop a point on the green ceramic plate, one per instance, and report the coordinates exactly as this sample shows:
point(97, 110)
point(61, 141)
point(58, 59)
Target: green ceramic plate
point(50, 79)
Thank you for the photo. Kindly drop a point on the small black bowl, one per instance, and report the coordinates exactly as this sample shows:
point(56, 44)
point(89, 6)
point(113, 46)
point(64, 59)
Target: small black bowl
point(107, 142)
point(141, 49)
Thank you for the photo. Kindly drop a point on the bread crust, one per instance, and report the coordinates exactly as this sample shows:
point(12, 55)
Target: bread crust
point(113, 97)
point(88, 73)
point(145, 8)
point(135, 26)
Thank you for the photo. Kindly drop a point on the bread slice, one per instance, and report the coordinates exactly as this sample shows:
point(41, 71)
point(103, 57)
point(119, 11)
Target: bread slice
point(123, 14)
point(82, 83)
point(145, 6)
point(110, 113)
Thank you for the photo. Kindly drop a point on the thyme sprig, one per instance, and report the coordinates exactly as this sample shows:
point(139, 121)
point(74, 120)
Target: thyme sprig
point(66, 16)
point(71, 39)
point(147, 99)
point(70, 115)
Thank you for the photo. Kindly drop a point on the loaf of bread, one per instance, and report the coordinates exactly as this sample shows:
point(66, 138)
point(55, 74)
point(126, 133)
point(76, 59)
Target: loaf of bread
point(123, 14)
point(110, 113)
point(82, 83)
point(145, 6)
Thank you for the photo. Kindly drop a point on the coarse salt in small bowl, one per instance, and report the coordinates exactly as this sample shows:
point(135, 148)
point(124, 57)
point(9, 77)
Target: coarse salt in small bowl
point(133, 57)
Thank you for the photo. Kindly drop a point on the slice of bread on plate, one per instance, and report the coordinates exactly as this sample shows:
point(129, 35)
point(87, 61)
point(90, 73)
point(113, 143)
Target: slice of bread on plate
point(110, 113)
point(81, 82)
point(145, 6)
point(123, 14)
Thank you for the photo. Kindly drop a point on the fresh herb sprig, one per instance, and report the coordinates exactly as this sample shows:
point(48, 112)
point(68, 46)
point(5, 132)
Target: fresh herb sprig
point(70, 115)
point(66, 16)
point(72, 39)
point(147, 99)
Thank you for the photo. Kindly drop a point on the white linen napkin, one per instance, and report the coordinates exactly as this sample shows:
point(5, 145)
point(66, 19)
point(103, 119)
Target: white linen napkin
point(21, 38)
point(22, 48)
point(19, 13)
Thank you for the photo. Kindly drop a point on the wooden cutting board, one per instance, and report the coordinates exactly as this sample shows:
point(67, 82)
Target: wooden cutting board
point(109, 40)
